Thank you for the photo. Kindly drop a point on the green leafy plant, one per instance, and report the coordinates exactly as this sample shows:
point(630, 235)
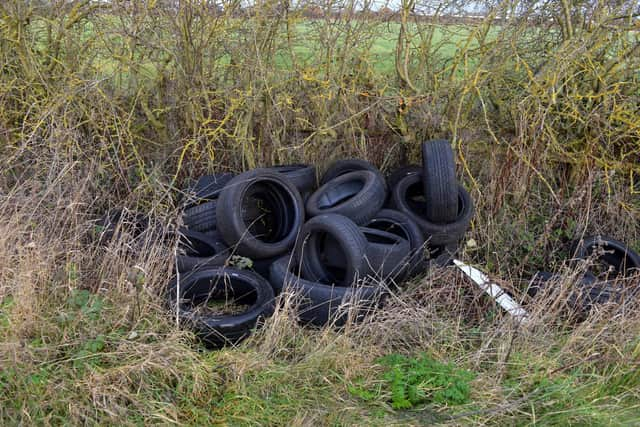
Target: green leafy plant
point(81, 304)
point(422, 379)
point(88, 354)
point(358, 389)
point(90, 305)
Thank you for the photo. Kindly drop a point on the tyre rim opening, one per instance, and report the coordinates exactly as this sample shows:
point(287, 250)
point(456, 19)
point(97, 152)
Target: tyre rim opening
point(266, 211)
point(609, 261)
point(219, 296)
point(330, 255)
point(389, 227)
point(379, 238)
point(415, 198)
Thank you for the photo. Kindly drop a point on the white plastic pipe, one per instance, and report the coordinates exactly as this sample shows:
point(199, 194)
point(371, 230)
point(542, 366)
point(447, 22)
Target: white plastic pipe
point(494, 291)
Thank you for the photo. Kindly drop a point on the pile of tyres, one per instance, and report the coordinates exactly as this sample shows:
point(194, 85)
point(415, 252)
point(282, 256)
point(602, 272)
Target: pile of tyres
point(334, 245)
point(608, 265)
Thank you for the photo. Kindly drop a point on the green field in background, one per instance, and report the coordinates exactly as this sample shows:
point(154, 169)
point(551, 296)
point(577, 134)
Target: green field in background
point(106, 50)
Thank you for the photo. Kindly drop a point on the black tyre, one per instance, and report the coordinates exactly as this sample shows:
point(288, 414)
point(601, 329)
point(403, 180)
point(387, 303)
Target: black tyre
point(197, 250)
point(348, 261)
point(195, 243)
point(387, 253)
point(590, 294)
point(260, 214)
point(611, 257)
point(341, 167)
point(120, 220)
point(356, 195)
point(206, 188)
point(305, 196)
point(301, 175)
point(185, 264)
point(587, 292)
point(213, 234)
point(442, 256)
point(439, 181)
point(401, 225)
point(541, 280)
point(201, 217)
point(408, 196)
point(403, 171)
point(204, 303)
point(136, 231)
point(262, 266)
point(322, 304)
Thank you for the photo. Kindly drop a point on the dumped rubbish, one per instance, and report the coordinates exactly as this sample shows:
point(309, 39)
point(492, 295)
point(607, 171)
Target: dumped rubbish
point(337, 246)
point(608, 263)
point(494, 291)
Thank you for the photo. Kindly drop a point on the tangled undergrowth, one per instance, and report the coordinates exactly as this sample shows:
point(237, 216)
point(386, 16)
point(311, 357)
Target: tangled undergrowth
point(120, 103)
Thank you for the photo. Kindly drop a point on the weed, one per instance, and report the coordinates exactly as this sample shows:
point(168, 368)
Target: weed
point(82, 302)
point(415, 380)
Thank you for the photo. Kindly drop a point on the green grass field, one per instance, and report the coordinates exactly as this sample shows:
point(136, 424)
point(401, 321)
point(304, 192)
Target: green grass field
point(307, 51)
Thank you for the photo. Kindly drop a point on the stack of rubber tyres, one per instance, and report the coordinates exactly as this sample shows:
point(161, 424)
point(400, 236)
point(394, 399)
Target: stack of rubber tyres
point(336, 247)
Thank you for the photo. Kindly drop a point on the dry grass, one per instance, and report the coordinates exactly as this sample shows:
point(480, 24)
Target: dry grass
point(105, 105)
